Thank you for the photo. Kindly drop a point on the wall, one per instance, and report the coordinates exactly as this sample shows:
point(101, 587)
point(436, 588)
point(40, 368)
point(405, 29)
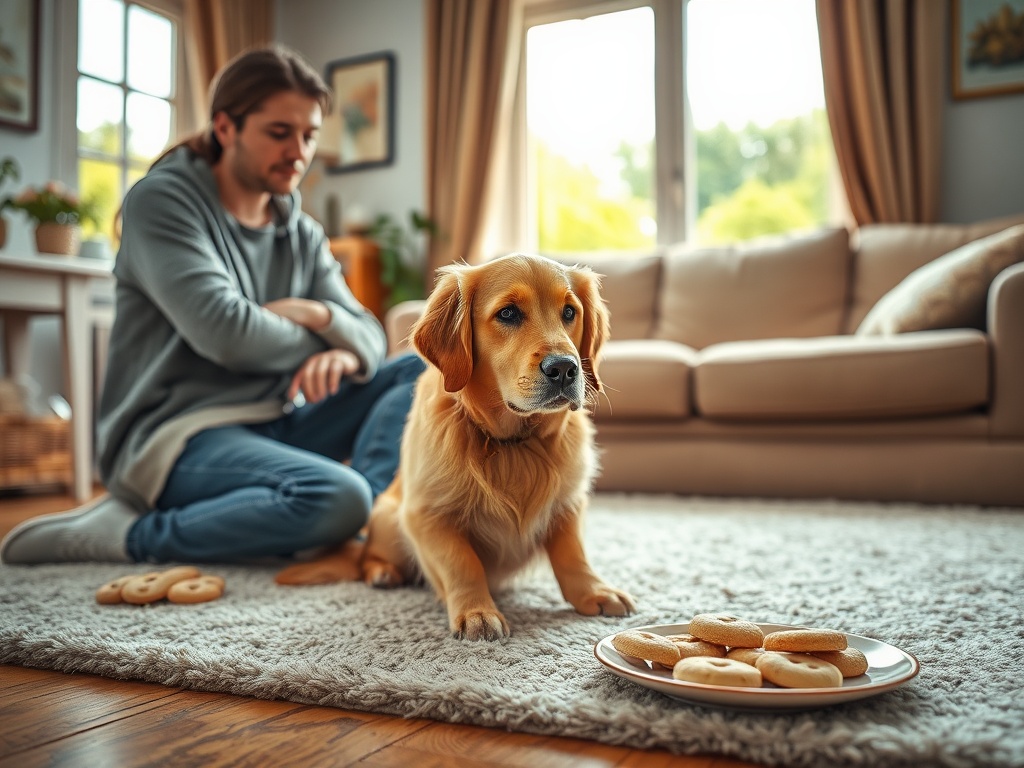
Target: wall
point(327, 30)
point(983, 158)
point(982, 154)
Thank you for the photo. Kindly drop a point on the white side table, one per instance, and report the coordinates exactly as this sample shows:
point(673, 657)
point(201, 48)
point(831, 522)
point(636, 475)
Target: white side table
point(45, 284)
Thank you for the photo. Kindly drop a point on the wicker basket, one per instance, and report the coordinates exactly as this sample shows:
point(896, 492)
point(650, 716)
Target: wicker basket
point(34, 451)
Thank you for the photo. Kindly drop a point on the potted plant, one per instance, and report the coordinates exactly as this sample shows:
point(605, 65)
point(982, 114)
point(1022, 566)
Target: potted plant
point(401, 260)
point(8, 170)
point(58, 213)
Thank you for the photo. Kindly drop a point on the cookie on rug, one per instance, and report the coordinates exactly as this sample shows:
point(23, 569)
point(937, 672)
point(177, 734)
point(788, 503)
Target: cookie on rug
point(200, 589)
point(110, 593)
point(181, 584)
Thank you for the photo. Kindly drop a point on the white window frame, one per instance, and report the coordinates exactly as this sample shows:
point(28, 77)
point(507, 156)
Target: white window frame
point(65, 137)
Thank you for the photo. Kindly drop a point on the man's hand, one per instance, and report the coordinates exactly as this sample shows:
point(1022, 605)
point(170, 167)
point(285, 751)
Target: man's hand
point(322, 373)
point(310, 314)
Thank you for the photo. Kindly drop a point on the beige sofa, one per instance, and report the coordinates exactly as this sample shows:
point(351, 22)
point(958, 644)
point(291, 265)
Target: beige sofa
point(827, 364)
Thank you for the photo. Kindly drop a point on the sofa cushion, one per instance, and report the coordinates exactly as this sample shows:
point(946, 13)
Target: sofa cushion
point(950, 292)
point(884, 254)
point(629, 286)
point(843, 377)
point(774, 287)
point(644, 379)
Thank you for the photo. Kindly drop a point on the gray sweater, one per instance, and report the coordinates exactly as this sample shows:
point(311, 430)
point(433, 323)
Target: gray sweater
point(191, 347)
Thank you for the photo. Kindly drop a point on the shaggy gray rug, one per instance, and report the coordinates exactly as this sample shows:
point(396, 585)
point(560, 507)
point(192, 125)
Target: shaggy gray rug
point(943, 583)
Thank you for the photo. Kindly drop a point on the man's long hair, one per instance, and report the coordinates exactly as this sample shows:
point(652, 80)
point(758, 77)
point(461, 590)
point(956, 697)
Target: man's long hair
point(245, 82)
point(239, 89)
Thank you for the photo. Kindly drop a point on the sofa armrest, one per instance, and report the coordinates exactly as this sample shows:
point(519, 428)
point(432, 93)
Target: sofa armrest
point(398, 322)
point(1006, 327)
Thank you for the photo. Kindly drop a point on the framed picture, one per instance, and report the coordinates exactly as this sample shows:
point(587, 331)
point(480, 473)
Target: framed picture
point(987, 48)
point(360, 131)
point(19, 64)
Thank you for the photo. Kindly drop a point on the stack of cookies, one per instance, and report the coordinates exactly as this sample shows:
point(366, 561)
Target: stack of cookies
point(182, 584)
point(725, 650)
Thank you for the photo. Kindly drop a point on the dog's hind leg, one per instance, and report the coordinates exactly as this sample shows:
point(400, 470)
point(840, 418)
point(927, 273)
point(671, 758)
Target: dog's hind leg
point(386, 561)
point(342, 564)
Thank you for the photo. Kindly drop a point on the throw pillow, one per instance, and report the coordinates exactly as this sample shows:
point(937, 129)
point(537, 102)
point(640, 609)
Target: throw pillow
point(950, 292)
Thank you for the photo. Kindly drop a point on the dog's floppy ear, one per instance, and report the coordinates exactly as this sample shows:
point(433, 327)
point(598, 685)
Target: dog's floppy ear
point(595, 322)
point(444, 334)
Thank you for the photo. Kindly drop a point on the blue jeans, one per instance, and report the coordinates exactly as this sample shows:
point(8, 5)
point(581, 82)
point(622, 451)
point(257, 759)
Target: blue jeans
point(244, 492)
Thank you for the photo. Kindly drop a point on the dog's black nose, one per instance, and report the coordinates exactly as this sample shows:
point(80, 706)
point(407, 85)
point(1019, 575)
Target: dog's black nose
point(561, 369)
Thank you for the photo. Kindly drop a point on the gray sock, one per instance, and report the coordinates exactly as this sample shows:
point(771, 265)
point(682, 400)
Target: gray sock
point(95, 532)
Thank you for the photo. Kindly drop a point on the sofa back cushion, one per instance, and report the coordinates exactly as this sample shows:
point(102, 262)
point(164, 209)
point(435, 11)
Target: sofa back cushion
point(949, 292)
point(884, 254)
point(844, 377)
point(629, 286)
point(793, 286)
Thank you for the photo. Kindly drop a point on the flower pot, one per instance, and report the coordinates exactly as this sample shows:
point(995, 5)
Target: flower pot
point(52, 237)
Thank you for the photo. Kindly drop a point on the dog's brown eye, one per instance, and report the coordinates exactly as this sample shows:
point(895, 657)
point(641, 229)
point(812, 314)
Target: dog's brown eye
point(569, 313)
point(510, 315)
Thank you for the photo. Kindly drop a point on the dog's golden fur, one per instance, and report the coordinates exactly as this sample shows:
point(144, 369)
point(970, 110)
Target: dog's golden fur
point(498, 455)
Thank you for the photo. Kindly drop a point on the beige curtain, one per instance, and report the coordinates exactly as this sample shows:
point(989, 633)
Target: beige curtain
point(216, 31)
point(884, 78)
point(467, 45)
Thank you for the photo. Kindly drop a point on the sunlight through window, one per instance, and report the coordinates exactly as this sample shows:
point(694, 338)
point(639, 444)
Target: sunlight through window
point(763, 150)
point(126, 90)
point(716, 134)
point(590, 115)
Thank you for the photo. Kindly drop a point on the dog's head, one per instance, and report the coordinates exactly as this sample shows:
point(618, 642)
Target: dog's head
point(526, 326)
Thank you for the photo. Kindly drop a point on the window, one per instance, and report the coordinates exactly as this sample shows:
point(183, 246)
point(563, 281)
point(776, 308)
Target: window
point(655, 121)
point(127, 96)
point(590, 119)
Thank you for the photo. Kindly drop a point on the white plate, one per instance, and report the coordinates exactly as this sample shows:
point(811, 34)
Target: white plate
point(888, 668)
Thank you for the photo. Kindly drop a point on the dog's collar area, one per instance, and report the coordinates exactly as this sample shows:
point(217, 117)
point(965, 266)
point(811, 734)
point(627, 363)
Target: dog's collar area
point(492, 443)
point(514, 440)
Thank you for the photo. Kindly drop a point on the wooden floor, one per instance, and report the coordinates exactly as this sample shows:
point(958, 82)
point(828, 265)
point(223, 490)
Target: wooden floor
point(57, 719)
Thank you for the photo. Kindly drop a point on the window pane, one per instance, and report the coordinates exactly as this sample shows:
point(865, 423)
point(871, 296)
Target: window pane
point(590, 118)
point(100, 181)
point(150, 52)
point(100, 113)
point(101, 38)
point(149, 126)
point(763, 148)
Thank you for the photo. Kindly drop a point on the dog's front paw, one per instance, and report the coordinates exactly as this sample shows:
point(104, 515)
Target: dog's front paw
point(480, 625)
point(604, 601)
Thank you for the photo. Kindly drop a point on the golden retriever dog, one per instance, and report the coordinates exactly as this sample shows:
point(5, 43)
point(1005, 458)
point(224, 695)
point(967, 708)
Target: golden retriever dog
point(498, 456)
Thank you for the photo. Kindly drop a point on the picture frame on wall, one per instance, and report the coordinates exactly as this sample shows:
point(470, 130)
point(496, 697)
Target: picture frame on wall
point(19, 64)
point(360, 131)
point(987, 48)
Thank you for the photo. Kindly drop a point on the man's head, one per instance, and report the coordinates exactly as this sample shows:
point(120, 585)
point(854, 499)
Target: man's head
point(266, 107)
